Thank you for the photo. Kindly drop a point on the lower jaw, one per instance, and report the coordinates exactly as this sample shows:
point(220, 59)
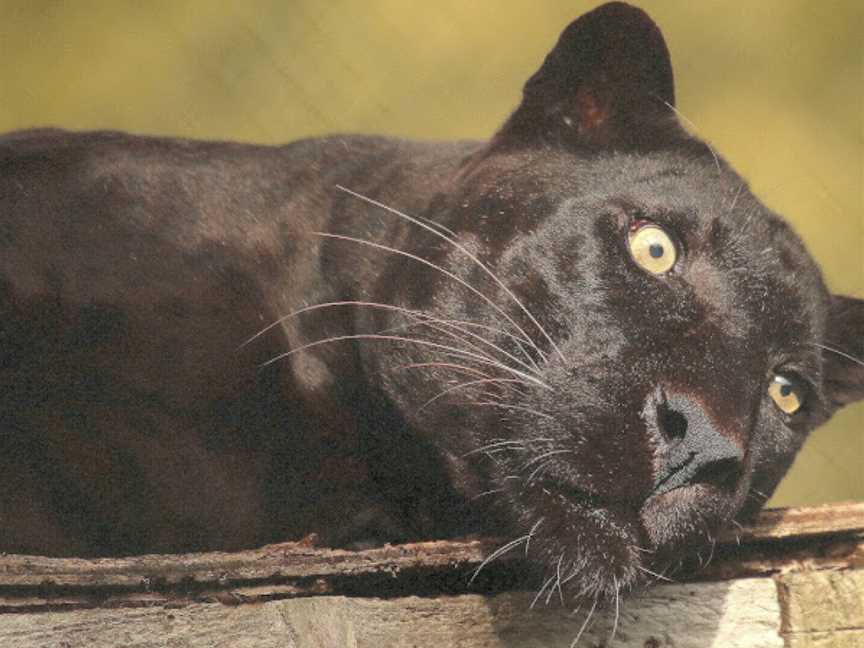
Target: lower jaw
point(684, 517)
point(637, 540)
point(621, 542)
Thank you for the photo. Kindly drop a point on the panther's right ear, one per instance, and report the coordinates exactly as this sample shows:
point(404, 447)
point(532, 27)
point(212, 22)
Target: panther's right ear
point(606, 84)
point(843, 351)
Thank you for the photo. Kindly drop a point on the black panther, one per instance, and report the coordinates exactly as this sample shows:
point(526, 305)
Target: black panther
point(584, 335)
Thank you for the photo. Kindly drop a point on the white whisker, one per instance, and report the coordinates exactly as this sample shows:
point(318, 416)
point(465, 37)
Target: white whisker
point(617, 608)
point(444, 365)
point(540, 591)
point(514, 407)
point(498, 445)
point(461, 324)
point(545, 455)
point(735, 199)
point(557, 583)
point(439, 226)
point(458, 324)
point(536, 472)
point(436, 267)
point(425, 321)
point(584, 625)
point(396, 338)
point(322, 305)
point(405, 326)
point(482, 381)
point(531, 534)
point(655, 574)
point(485, 493)
point(464, 250)
point(461, 327)
point(498, 398)
point(840, 353)
point(498, 552)
point(491, 329)
point(713, 548)
point(574, 571)
point(692, 125)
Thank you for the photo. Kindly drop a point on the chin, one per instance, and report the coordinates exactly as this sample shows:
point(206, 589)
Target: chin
point(597, 552)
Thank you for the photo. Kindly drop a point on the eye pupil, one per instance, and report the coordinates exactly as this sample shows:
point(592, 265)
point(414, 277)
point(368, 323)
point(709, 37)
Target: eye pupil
point(651, 248)
point(785, 394)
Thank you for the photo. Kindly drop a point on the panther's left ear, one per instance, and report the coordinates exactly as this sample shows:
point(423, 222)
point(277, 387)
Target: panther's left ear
point(606, 84)
point(843, 351)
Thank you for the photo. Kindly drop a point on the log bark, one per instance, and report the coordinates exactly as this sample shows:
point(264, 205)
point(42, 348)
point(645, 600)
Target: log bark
point(794, 579)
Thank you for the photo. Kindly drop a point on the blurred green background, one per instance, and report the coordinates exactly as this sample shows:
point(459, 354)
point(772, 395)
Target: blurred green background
point(776, 85)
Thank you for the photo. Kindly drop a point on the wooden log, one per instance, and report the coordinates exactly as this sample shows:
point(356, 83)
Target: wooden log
point(793, 579)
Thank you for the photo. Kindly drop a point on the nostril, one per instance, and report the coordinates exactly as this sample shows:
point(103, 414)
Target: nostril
point(689, 447)
point(671, 423)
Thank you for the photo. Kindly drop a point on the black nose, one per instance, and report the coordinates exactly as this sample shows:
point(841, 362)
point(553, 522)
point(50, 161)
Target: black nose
point(690, 447)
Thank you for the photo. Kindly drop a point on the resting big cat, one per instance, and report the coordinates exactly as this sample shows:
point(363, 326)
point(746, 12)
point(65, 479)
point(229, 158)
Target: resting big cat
point(585, 335)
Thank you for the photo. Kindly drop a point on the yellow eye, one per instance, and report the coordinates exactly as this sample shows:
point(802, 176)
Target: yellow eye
point(785, 395)
point(652, 249)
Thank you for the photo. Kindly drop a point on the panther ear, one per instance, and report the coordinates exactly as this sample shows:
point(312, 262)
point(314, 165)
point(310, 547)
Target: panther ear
point(843, 351)
point(607, 83)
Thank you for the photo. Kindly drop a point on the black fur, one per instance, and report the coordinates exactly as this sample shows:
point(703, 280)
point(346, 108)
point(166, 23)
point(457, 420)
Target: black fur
point(623, 419)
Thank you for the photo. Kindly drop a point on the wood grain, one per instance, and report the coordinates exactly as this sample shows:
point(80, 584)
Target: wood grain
point(793, 579)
